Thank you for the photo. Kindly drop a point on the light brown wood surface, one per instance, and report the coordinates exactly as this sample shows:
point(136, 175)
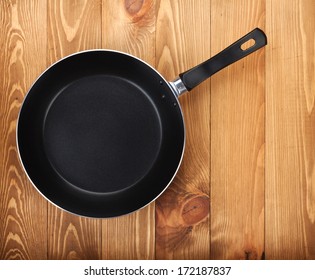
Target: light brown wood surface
point(237, 137)
point(23, 213)
point(246, 185)
point(290, 131)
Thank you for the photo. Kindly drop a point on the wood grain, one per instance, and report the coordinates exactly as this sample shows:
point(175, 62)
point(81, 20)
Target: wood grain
point(237, 137)
point(290, 131)
point(72, 26)
point(23, 225)
point(229, 200)
point(129, 26)
point(179, 35)
point(71, 237)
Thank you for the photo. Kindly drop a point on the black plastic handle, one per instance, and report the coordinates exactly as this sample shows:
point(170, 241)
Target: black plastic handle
point(234, 52)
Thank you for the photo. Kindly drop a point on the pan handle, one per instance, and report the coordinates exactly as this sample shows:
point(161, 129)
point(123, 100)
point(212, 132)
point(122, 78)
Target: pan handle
point(194, 76)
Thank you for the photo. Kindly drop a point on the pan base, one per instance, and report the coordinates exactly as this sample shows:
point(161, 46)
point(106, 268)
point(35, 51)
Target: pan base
point(102, 134)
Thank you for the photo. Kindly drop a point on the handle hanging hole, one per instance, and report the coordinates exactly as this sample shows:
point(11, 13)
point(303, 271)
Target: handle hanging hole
point(248, 44)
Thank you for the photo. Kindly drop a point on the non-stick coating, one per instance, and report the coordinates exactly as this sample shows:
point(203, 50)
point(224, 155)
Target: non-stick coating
point(100, 134)
point(102, 142)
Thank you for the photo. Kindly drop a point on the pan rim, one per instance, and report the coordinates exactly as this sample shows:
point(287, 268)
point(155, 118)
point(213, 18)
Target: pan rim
point(112, 51)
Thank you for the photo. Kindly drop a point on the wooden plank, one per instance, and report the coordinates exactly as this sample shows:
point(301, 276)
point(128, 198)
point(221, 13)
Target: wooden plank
point(182, 212)
point(129, 26)
point(290, 130)
point(23, 223)
point(237, 136)
point(72, 26)
point(72, 237)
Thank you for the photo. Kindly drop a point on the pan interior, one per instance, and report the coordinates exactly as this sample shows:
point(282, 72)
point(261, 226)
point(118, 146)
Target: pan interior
point(102, 133)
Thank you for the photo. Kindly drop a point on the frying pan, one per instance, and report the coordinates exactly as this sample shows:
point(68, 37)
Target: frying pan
point(101, 133)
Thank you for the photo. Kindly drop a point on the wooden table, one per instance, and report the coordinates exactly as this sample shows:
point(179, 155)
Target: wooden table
point(246, 186)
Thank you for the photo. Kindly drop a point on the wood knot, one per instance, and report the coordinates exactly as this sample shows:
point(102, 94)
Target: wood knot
point(195, 209)
point(133, 6)
point(177, 213)
point(250, 254)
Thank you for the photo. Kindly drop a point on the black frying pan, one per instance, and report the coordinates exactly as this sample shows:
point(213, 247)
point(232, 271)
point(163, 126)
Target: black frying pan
point(101, 133)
